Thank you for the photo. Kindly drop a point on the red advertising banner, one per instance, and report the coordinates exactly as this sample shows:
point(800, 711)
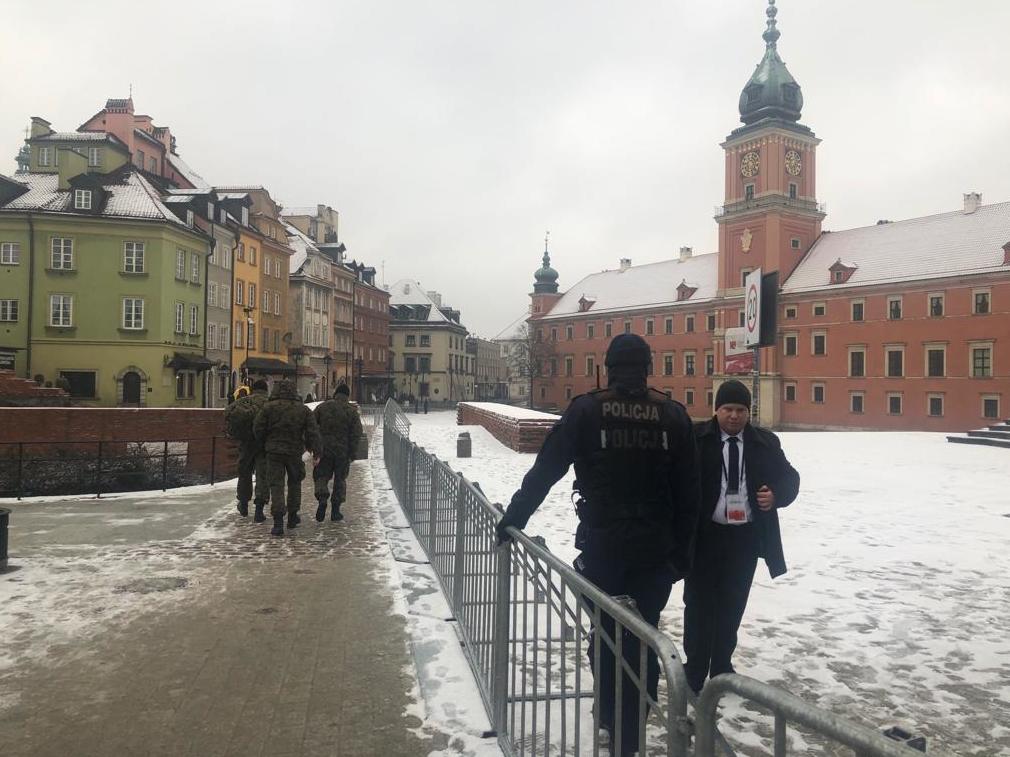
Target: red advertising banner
point(739, 357)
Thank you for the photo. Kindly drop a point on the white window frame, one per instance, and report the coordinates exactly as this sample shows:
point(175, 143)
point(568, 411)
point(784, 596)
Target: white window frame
point(82, 199)
point(901, 307)
point(888, 349)
point(194, 267)
point(133, 313)
point(981, 345)
point(251, 297)
point(224, 337)
point(901, 403)
point(813, 343)
point(990, 398)
point(180, 317)
point(61, 259)
point(180, 264)
point(813, 309)
point(10, 311)
point(133, 257)
point(794, 338)
point(852, 350)
point(44, 157)
point(66, 310)
point(693, 356)
point(988, 301)
point(239, 292)
point(211, 335)
point(862, 398)
point(813, 393)
point(926, 348)
point(930, 296)
point(194, 320)
point(689, 324)
point(789, 312)
point(669, 359)
point(224, 297)
point(277, 303)
point(930, 396)
point(94, 157)
point(852, 308)
point(266, 301)
point(785, 391)
point(212, 294)
point(10, 253)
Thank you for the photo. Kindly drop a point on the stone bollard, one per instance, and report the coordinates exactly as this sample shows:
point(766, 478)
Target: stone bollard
point(5, 519)
point(463, 447)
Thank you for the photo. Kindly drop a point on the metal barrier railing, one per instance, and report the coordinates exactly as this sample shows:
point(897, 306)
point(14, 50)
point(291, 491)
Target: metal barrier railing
point(534, 631)
point(33, 468)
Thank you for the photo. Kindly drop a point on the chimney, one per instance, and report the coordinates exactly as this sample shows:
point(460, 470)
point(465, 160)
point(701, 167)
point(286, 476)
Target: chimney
point(972, 202)
point(685, 253)
point(71, 164)
point(436, 298)
point(40, 127)
point(625, 264)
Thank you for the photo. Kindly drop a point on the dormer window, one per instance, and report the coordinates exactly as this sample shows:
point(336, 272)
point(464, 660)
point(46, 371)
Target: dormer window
point(840, 273)
point(43, 156)
point(685, 290)
point(82, 199)
point(585, 303)
point(94, 156)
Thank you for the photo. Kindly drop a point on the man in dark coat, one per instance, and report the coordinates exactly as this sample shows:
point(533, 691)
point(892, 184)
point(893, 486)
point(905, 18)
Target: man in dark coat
point(340, 426)
point(636, 465)
point(286, 428)
point(745, 479)
point(239, 417)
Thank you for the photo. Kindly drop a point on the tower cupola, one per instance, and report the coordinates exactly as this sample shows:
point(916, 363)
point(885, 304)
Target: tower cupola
point(545, 277)
point(771, 92)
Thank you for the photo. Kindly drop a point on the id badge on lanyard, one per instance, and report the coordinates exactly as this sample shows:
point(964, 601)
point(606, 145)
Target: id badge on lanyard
point(736, 502)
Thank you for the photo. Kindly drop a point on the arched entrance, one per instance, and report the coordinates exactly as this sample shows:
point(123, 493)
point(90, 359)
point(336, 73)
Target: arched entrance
point(131, 388)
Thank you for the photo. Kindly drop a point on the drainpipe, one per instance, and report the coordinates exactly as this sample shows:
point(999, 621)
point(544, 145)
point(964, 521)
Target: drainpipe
point(206, 287)
point(231, 323)
point(31, 294)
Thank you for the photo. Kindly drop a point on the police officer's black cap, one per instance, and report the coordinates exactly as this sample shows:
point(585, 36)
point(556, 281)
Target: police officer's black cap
point(628, 349)
point(732, 392)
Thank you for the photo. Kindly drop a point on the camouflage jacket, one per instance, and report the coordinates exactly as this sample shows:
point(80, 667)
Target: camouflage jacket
point(340, 425)
point(240, 415)
point(285, 426)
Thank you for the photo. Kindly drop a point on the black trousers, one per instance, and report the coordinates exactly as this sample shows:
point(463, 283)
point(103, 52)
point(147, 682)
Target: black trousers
point(650, 587)
point(715, 597)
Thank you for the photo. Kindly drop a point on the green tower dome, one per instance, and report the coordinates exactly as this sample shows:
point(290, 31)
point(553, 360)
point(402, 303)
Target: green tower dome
point(772, 92)
point(545, 277)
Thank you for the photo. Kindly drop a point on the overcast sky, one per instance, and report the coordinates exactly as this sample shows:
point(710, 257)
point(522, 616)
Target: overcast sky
point(451, 135)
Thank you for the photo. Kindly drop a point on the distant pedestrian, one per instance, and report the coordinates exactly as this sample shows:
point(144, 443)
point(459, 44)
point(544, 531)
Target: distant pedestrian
point(636, 468)
point(286, 429)
point(242, 391)
point(745, 479)
point(309, 398)
point(340, 428)
point(239, 418)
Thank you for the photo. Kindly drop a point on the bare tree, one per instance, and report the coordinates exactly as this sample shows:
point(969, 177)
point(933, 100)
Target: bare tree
point(528, 356)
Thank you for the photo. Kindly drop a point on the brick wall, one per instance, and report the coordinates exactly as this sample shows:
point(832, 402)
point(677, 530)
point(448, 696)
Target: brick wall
point(520, 434)
point(21, 392)
point(46, 432)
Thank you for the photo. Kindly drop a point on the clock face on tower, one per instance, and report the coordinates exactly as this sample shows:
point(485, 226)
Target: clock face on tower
point(749, 164)
point(794, 163)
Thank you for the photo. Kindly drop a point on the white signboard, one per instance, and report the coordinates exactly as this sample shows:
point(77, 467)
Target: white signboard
point(739, 357)
point(752, 308)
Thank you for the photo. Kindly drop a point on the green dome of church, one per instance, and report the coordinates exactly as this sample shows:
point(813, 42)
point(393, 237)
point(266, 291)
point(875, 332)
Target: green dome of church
point(546, 278)
point(772, 92)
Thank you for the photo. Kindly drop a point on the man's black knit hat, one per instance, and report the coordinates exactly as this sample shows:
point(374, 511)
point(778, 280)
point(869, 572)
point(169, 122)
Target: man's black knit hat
point(343, 389)
point(628, 349)
point(732, 392)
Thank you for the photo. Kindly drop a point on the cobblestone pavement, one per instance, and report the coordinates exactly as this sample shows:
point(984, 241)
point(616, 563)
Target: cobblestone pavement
point(230, 642)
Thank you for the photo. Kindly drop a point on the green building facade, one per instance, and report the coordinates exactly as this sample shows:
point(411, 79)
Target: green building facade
point(101, 285)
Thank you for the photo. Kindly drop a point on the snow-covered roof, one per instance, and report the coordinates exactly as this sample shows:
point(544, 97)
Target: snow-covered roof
point(641, 287)
point(513, 331)
point(301, 244)
point(407, 292)
point(304, 211)
point(948, 244)
point(73, 136)
point(130, 196)
point(188, 173)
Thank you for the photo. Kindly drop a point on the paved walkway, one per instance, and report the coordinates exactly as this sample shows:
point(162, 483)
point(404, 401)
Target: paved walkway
point(216, 639)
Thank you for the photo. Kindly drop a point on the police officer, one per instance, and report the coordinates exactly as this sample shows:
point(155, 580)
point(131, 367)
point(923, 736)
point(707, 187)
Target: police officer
point(239, 417)
point(286, 428)
point(340, 427)
point(636, 467)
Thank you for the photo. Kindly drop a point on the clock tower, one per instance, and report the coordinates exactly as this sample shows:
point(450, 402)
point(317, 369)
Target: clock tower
point(771, 216)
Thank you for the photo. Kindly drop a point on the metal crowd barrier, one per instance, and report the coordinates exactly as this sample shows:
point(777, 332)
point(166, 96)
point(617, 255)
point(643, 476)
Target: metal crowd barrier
point(533, 631)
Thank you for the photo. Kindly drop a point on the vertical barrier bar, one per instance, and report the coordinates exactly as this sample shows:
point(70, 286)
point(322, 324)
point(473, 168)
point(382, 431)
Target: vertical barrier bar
point(500, 636)
point(21, 462)
point(780, 735)
point(164, 467)
point(459, 560)
point(98, 483)
point(432, 510)
point(213, 455)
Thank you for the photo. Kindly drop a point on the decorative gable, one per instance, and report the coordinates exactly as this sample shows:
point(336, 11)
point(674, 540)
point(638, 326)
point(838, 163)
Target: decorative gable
point(585, 303)
point(685, 291)
point(840, 273)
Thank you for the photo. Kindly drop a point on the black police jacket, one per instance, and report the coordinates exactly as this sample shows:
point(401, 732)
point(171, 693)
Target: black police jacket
point(636, 465)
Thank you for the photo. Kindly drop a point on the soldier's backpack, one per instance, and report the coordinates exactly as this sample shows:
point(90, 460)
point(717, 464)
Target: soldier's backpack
point(238, 419)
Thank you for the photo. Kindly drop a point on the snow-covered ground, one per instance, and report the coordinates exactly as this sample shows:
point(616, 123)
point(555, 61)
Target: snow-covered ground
point(896, 606)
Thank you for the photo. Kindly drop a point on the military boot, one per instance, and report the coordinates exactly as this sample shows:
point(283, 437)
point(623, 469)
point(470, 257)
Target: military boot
point(259, 517)
point(243, 508)
point(293, 520)
point(336, 514)
point(278, 529)
point(321, 510)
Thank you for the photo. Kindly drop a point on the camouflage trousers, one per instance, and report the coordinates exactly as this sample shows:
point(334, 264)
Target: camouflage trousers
point(292, 468)
point(252, 459)
point(336, 467)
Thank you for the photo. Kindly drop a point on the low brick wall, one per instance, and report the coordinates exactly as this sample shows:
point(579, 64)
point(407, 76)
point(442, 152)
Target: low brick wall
point(517, 428)
point(21, 392)
point(73, 433)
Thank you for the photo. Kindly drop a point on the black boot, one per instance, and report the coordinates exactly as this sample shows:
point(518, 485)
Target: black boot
point(259, 517)
point(243, 508)
point(336, 514)
point(278, 529)
point(321, 511)
point(293, 520)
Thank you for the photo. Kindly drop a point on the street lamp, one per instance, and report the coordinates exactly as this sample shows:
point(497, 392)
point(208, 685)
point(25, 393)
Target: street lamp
point(249, 309)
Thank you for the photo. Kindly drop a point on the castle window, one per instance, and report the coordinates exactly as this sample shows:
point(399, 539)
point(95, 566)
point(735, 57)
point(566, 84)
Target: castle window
point(894, 404)
point(856, 402)
point(894, 308)
point(857, 308)
point(895, 362)
point(819, 308)
point(935, 405)
point(82, 199)
point(935, 305)
point(590, 331)
point(792, 191)
point(817, 394)
point(981, 302)
point(857, 362)
point(789, 345)
point(650, 327)
point(748, 192)
point(794, 243)
point(990, 407)
point(668, 326)
point(789, 392)
point(689, 324)
point(791, 312)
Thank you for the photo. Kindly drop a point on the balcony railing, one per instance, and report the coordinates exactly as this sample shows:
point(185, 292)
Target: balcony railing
point(759, 203)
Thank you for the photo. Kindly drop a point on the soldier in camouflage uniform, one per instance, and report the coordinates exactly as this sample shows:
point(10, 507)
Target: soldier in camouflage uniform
point(286, 428)
point(239, 417)
point(340, 427)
